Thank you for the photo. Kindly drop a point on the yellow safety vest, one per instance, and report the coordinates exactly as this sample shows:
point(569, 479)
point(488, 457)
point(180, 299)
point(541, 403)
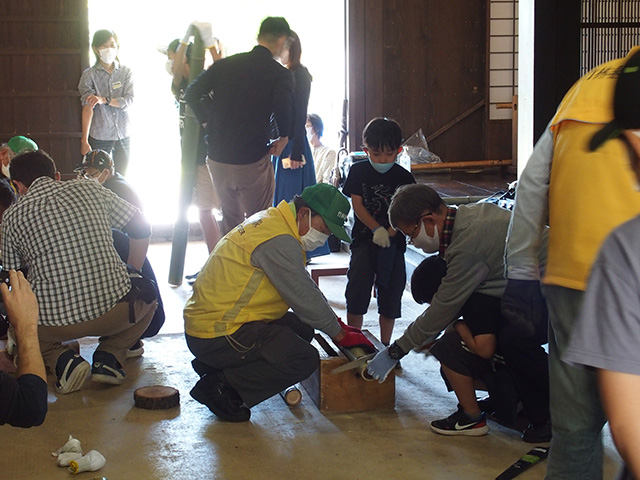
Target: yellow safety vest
point(590, 193)
point(230, 291)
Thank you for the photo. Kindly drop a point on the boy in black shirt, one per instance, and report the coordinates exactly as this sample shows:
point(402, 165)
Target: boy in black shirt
point(377, 251)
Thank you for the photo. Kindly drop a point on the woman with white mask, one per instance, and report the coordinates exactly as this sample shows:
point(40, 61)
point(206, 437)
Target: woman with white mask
point(106, 93)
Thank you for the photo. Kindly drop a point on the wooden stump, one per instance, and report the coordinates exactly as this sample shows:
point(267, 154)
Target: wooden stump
point(156, 397)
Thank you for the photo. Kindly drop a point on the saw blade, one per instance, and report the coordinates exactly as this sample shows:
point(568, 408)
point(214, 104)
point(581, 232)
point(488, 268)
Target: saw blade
point(357, 363)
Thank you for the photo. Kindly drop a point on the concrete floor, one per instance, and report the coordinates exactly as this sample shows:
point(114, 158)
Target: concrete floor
point(279, 442)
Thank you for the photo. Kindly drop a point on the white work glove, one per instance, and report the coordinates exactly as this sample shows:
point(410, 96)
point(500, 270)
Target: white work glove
point(204, 29)
point(381, 237)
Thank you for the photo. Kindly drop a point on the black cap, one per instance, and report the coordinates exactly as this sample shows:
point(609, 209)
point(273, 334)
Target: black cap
point(626, 104)
point(98, 159)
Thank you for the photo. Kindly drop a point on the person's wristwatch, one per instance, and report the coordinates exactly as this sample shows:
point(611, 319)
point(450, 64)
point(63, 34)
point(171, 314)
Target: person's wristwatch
point(395, 352)
point(108, 100)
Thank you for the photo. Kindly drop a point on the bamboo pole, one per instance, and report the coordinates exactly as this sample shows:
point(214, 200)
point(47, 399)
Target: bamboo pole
point(190, 139)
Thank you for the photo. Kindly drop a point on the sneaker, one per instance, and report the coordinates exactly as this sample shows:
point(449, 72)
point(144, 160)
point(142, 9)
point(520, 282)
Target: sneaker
point(136, 351)
point(459, 423)
point(193, 276)
point(213, 391)
point(72, 370)
point(107, 369)
point(191, 279)
point(537, 434)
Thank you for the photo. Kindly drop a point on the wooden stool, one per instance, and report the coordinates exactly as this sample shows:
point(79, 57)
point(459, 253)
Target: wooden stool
point(318, 271)
point(346, 392)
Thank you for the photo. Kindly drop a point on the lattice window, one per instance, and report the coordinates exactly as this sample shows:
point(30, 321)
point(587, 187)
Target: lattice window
point(609, 28)
point(503, 56)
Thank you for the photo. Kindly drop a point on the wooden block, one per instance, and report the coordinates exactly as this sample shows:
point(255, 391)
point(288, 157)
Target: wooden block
point(346, 392)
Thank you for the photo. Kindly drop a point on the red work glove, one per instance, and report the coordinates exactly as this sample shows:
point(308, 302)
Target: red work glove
point(347, 328)
point(356, 339)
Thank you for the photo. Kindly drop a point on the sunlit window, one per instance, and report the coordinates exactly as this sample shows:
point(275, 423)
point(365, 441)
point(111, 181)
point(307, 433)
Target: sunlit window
point(143, 25)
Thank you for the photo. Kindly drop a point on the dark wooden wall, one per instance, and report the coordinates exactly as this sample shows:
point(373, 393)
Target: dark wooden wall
point(43, 46)
point(423, 63)
point(556, 57)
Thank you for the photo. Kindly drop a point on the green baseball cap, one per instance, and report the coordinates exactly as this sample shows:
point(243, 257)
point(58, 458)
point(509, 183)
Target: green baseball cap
point(327, 201)
point(21, 144)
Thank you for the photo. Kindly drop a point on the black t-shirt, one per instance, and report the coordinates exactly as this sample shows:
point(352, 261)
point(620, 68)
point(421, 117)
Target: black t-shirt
point(23, 401)
point(118, 185)
point(376, 190)
point(482, 314)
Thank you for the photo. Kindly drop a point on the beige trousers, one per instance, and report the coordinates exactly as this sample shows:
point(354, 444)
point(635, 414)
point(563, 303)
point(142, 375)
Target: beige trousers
point(116, 333)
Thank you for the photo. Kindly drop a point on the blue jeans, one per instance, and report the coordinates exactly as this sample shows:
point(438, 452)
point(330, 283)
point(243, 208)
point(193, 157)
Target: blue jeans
point(118, 149)
point(577, 416)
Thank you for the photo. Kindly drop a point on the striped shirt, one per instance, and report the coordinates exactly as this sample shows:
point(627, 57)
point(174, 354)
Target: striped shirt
point(109, 123)
point(61, 232)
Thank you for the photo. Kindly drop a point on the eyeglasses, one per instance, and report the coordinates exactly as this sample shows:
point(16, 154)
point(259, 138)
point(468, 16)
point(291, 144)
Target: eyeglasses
point(415, 230)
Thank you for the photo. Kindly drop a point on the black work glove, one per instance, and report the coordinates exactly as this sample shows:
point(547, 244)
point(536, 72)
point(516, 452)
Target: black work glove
point(524, 307)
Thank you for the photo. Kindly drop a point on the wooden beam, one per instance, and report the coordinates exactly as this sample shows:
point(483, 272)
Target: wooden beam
point(456, 120)
point(469, 164)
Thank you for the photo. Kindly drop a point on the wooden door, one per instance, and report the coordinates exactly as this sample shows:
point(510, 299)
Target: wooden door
point(43, 45)
point(423, 63)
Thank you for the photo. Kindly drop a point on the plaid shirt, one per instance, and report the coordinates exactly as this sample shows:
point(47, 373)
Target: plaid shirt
point(61, 232)
point(108, 123)
point(447, 229)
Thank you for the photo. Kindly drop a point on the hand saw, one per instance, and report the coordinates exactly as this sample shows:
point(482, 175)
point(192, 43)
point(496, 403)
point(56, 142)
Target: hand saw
point(357, 363)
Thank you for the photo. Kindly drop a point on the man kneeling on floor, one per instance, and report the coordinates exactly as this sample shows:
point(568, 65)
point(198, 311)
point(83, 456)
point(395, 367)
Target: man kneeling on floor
point(248, 345)
point(60, 233)
point(471, 240)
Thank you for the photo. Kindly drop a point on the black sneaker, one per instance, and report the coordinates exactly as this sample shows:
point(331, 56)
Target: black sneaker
point(459, 423)
point(136, 350)
point(537, 434)
point(107, 369)
point(72, 370)
point(214, 391)
point(193, 276)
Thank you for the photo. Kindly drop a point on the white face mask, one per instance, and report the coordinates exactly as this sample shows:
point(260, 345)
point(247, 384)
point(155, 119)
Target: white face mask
point(169, 66)
point(108, 55)
point(313, 238)
point(425, 242)
point(5, 170)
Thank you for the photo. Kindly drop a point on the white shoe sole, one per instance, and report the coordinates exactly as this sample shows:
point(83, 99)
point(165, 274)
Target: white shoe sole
point(75, 380)
point(135, 353)
point(115, 379)
point(471, 432)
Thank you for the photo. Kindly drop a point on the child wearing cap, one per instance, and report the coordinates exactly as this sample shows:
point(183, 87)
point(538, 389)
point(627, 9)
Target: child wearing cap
point(377, 251)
